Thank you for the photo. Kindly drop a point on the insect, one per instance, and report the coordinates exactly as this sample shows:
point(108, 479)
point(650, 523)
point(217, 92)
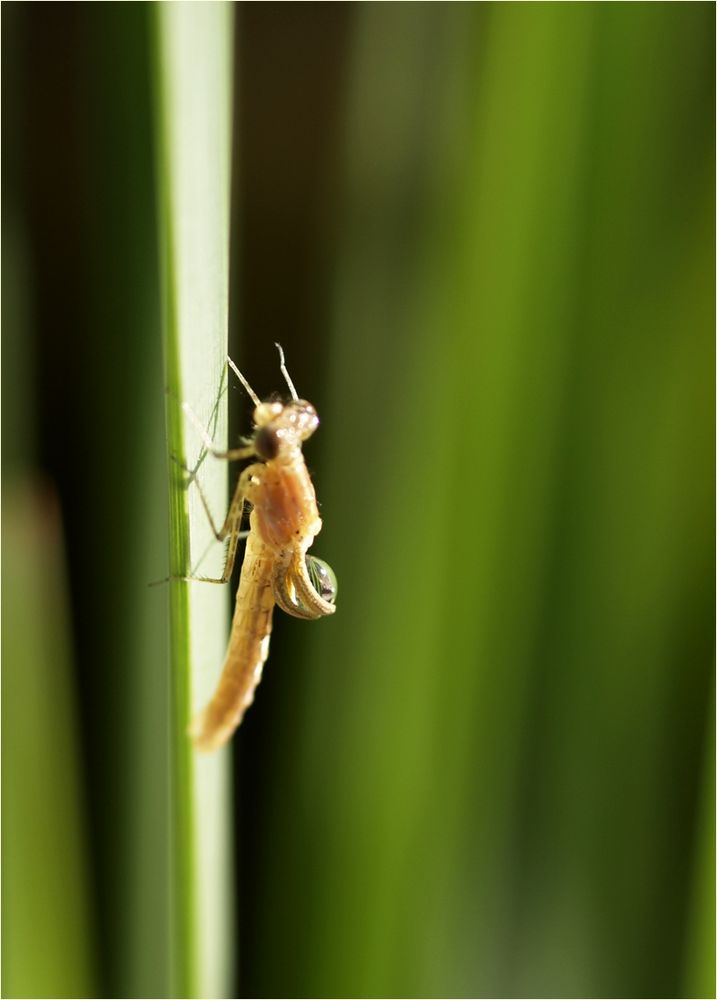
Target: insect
point(277, 568)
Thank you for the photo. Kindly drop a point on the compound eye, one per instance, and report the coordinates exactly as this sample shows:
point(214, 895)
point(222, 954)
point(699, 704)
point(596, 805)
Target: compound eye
point(305, 418)
point(266, 443)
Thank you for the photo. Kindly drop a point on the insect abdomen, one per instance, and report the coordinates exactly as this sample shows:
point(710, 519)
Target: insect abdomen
point(247, 651)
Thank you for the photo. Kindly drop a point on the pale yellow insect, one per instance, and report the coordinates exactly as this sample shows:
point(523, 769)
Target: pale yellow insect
point(277, 568)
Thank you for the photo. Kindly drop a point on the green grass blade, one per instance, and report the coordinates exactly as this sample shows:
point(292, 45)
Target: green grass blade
point(194, 76)
point(48, 942)
point(700, 939)
point(498, 729)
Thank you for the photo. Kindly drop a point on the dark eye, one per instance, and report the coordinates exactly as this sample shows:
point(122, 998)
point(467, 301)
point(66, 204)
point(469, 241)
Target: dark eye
point(266, 443)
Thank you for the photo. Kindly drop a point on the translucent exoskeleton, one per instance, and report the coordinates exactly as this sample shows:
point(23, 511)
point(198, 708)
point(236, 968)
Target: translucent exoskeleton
point(277, 567)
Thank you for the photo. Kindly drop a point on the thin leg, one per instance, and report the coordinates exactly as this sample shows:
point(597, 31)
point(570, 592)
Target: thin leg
point(241, 535)
point(214, 417)
point(233, 455)
point(232, 521)
point(231, 528)
point(213, 425)
point(219, 533)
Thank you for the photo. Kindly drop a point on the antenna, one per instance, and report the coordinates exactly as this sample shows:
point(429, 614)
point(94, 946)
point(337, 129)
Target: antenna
point(244, 382)
point(284, 372)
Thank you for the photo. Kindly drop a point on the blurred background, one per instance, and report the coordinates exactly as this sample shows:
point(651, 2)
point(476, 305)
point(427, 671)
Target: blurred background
point(484, 234)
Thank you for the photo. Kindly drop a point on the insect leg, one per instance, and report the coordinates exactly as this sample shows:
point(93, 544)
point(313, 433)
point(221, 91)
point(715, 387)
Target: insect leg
point(241, 535)
point(219, 533)
point(231, 528)
point(232, 455)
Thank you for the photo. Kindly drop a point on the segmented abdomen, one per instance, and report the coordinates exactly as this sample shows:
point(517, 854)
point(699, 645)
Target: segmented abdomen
point(248, 648)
